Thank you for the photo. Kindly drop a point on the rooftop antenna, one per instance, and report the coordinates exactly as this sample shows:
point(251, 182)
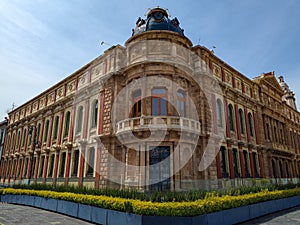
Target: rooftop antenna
point(13, 106)
point(212, 49)
point(199, 41)
point(104, 43)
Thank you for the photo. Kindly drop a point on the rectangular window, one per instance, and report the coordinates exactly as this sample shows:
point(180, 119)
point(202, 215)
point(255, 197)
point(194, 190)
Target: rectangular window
point(256, 164)
point(51, 165)
point(75, 163)
point(137, 104)
point(247, 172)
point(236, 163)
point(159, 102)
point(46, 131)
point(62, 165)
point(25, 168)
point(41, 166)
point(91, 161)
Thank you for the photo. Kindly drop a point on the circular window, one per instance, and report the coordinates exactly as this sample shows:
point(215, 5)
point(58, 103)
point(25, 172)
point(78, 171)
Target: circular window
point(158, 16)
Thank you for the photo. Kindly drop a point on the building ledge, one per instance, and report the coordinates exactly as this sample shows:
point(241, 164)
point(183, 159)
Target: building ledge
point(158, 123)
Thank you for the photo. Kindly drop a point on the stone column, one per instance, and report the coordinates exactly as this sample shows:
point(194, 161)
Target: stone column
point(42, 131)
point(82, 163)
point(101, 114)
point(57, 151)
point(46, 166)
point(226, 118)
point(68, 164)
point(242, 162)
point(98, 163)
point(36, 169)
point(251, 164)
point(16, 167)
point(237, 121)
point(22, 167)
point(230, 159)
point(50, 131)
point(257, 138)
point(247, 125)
point(60, 128)
point(72, 122)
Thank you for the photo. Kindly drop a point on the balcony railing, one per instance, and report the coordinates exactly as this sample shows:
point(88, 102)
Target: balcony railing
point(158, 122)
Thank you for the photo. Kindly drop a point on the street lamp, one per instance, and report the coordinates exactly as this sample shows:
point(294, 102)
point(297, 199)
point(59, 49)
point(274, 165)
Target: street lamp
point(32, 133)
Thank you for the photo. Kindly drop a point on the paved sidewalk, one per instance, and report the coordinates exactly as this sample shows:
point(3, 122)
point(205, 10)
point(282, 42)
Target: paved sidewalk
point(286, 217)
point(16, 214)
point(25, 215)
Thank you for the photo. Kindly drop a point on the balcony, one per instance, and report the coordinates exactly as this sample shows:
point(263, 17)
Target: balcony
point(158, 123)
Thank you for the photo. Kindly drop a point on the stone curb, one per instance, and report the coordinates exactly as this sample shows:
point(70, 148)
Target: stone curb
point(110, 217)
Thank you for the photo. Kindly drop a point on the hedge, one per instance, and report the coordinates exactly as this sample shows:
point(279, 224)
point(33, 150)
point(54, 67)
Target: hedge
point(211, 203)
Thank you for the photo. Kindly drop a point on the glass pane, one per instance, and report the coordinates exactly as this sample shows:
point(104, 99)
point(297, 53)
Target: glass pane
point(163, 107)
point(154, 106)
point(159, 91)
point(179, 94)
point(139, 108)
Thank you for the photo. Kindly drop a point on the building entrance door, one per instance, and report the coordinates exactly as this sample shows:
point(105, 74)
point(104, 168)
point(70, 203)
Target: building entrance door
point(159, 174)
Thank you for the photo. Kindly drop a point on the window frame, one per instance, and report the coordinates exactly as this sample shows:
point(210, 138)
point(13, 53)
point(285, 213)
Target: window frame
point(159, 96)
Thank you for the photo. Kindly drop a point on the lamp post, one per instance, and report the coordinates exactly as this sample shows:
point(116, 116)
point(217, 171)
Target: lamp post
point(32, 133)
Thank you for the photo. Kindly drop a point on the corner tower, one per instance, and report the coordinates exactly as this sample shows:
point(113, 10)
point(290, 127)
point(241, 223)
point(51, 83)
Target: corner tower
point(289, 96)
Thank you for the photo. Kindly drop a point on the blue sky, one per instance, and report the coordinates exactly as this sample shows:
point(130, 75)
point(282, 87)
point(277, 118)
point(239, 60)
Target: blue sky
point(43, 41)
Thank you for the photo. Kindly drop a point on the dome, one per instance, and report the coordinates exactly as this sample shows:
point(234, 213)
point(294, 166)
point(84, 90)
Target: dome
point(157, 19)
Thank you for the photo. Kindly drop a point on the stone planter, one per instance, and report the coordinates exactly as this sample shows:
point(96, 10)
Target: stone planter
point(111, 217)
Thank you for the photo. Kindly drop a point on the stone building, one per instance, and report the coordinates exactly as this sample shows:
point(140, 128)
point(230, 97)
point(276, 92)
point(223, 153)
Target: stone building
point(3, 125)
point(156, 114)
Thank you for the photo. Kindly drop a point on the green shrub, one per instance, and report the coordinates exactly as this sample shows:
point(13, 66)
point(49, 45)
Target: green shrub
point(212, 202)
point(185, 196)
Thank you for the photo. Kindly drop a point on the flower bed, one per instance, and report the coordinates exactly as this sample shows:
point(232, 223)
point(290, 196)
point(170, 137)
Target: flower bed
point(210, 204)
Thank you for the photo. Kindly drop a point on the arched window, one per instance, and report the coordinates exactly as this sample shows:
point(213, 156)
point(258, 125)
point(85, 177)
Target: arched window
point(46, 130)
point(90, 170)
point(67, 124)
point(25, 168)
point(55, 131)
point(12, 141)
point(231, 117)
point(79, 119)
point(137, 104)
point(95, 114)
point(159, 102)
point(30, 136)
point(241, 117)
point(8, 143)
point(251, 127)
point(24, 137)
point(219, 108)
point(268, 131)
point(41, 170)
point(75, 162)
point(223, 161)
point(18, 139)
point(181, 103)
point(38, 132)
